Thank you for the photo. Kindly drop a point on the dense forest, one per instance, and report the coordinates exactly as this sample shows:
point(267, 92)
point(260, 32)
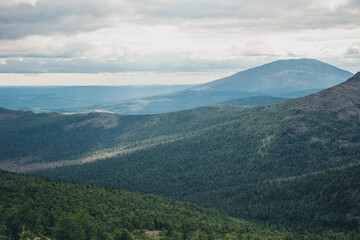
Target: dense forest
point(49, 137)
point(33, 207)
point(322, 201)
point(319, 202)
point(239, 151)
point(269, 133)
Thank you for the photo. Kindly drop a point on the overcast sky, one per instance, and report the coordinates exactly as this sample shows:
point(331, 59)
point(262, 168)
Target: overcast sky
point(46, 42)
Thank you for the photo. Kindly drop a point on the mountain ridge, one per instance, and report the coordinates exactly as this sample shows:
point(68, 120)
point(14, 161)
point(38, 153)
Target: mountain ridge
point(287, 67)
point(344, 97)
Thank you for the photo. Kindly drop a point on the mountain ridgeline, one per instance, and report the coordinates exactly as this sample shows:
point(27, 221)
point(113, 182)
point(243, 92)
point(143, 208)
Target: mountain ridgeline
point(283, 78)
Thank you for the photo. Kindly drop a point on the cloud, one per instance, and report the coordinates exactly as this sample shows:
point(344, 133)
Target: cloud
point(90, 36)
point(16, 3)
point(21, 18)
point(46, 17)
point(354, 51)
point(160, 63)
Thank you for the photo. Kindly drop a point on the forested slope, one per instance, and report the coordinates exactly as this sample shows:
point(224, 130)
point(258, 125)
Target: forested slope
point(326, 200)
point(36, 207)
point(46, 137)
point(237, 152)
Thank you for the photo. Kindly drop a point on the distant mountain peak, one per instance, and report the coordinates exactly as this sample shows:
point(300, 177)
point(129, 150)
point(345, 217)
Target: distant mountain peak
point(280, 76)
point(286, 78)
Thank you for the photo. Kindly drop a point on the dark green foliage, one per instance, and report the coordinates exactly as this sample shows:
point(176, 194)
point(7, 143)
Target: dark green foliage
point(329, 200)
point(31, 206)
point(260, 144)
point(51, 137)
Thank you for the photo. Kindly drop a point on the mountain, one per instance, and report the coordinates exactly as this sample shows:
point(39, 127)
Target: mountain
point(190, 154)
point(58, 97)
point(283, 78)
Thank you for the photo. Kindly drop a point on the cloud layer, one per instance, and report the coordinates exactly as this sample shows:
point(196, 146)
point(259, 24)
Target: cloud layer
point(90, 36)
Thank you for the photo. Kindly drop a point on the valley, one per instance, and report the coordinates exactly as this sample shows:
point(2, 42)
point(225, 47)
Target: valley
point(21, 166)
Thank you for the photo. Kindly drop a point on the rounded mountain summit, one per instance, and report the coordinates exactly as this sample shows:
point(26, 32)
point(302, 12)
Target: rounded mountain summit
point(282, 76)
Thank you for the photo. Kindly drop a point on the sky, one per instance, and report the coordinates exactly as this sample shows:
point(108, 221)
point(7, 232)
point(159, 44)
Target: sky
point(124, 42)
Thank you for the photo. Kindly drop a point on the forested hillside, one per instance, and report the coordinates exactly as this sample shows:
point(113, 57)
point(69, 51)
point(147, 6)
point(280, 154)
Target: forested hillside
point(47, 137)
point(232, 155)
point(36, 207)
point(326, 200)
point(261, 143)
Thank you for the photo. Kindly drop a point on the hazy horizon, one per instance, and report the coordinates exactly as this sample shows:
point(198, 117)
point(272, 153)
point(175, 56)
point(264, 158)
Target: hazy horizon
point(108, 79)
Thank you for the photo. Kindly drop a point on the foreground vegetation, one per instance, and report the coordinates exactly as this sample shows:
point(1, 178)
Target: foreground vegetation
point(38, 207)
